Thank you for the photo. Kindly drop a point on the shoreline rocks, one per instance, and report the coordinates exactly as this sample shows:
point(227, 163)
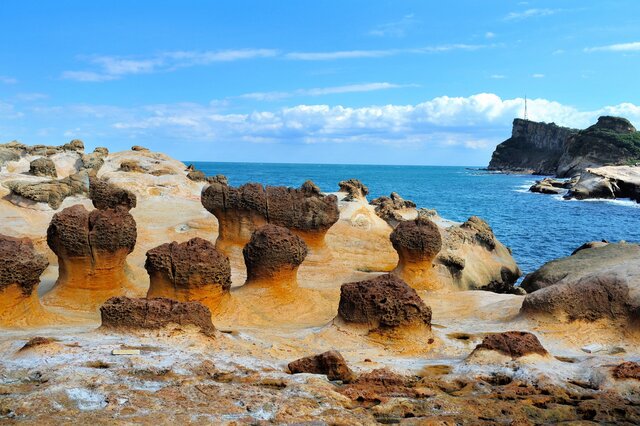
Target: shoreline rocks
point(330, 363)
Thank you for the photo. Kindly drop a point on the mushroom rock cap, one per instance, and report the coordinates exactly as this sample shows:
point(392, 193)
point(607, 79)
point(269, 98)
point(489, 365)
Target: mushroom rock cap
point(330, 363)
point(384, 301)
point(273, 249)
point(512, 343)
point(194, 263)
point(420, 238)
point(354, 188)
point(124, 313)
point(389, 208)
point(74, 145)
point(106, 195)
point(20, 264)
point(43, 166)
point(74, 232)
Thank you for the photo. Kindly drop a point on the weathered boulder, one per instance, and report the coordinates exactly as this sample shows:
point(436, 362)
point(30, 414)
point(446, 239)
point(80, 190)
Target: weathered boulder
point(391, 208)
point(108, 196)
point(218, 179)
point(197, 176)
point(382, 302)
point(514, 344)
point(584, 261)
point(20, 270)
point(52, 192)
point(417, 242)
point(129, 314)
point(549, 186)
point(354, 189)
point(242, 210)
point(101, 150)
point(381, 384)
point(139, 148)
point(330, 363)
point(189, 271)
point(74, 145)
point(607, 182)
point(273, 256)
point(131, 166)
point(43, 166)
point(92, 248)
point(627, 370)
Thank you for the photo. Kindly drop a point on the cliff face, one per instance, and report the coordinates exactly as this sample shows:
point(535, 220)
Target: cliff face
point(541, 148)
point(532, 148)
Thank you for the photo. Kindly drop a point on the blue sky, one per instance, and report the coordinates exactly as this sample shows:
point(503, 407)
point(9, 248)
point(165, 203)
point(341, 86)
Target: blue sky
point(379, 82)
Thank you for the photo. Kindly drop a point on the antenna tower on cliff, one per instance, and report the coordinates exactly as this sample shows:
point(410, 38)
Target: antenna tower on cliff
point(526, 116)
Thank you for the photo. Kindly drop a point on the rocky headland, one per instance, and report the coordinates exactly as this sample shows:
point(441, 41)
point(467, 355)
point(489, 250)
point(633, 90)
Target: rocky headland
point(597, 162)
point(133, 285)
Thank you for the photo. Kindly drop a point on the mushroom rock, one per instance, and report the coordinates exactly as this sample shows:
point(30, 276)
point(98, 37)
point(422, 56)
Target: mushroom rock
point(514, 344)
point(391, 208)
point(92, 248)
point(43, 166)
point(330, 363)
point(354, 189)
point(105, 195)
point(74, 145)
point(417, 242)
point(20, 270)
point(189, 271)
point(386, 306)
point(242, 210)
point(272, 257)
point(129, 314)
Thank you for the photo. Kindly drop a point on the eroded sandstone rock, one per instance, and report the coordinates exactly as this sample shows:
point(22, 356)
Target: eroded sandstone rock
point(105, 195)
point(43, 166)
point(51, 192)
point(128, 314)
point(627, 370)
point(514, 344)
point(242, 210)
point(92, 248)
point(189, 271)
point(131, 166)
point(391, 208)
point(197, 176)
point(354, 189)
point(382, 302)
point(273, 256)
point(330, 363)
point(417, 242)
point(20, 270)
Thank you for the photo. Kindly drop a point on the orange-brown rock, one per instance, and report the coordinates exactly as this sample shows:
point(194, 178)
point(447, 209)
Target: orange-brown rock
point(242, 210)
point(515, 344)
point(381, 303)
point(354, 189)
point(92, 248)
point(627, 370)
point(130, 314)
point(330, 363)
point(105, 195)
point(380, 385)
point(390, 208)
point(189, 271)
point(273, 256)
point(417, 242)
point(20, 270)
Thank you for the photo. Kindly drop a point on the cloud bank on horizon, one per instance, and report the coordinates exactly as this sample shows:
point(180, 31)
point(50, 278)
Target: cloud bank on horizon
point(399, 85)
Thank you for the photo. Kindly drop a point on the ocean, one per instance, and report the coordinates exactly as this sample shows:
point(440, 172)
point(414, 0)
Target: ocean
point(537, 227)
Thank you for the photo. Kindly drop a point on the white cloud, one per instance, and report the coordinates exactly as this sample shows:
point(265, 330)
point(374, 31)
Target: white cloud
point(355, 54)
point(620, 47)
point(537, 75)
point(398, 28)
point(320, 91)
point(115, 67)
point(530, 13)
point(7, 80)
point(498, 76)
point(29, 97)
point(489, 35)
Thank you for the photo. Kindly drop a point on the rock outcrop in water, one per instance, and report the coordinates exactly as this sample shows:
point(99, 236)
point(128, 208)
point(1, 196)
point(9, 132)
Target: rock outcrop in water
point(127, 314)
point(20, 270)
point(417, 242)
point(189, 271)
point(92, 248)
point(382, 303)
point(329, 363)
point(242, 210)
point(273, 256)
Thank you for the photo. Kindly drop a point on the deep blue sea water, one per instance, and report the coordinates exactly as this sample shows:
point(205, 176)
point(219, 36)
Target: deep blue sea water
point(537, 227)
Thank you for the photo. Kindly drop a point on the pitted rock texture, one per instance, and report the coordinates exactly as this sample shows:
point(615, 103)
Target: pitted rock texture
point(482, 230)
point(303, 209)
point(330, 363)
point(75, 232)
point(108, 196)
point(192, 264)
point(512, 343)
point(389, 208)
point(129, 314)
point(131, 166)
point(417, 239)
point(43, 166)
point(74, 145)
point(273, 250)
point(52, 192)
point(20, 264)
point(385, 301)
point(354, 189)
point(590, 298)
point(627, 370)
point(218, 179)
